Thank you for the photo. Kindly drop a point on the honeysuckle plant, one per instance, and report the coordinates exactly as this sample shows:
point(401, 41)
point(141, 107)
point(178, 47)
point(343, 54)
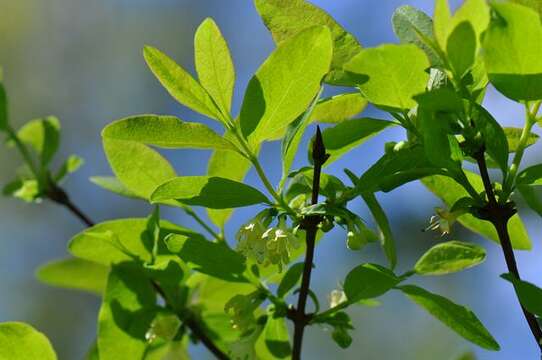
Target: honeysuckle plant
point(247, 295)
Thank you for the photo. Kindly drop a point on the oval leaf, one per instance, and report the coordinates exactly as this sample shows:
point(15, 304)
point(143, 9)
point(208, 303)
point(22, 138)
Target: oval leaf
point(19, 341)
point(449, 257)
point(165, 131)
point(368, 281)
point(74, 273)
point(209, 191)
point(457, 317)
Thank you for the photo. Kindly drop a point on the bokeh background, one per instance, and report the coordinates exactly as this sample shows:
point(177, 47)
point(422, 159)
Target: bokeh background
point(81, 61)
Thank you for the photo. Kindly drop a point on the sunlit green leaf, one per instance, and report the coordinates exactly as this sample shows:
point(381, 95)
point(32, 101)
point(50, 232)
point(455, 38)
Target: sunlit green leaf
point(73, 273)
point(209, 191)
point(128, 308)
point(43, 135)
point(180, 84)
point(461, 48)
point(511, 57)
point(277, 340)
point(457, 317)
point(214, 64)
point(286, 18)
point(531, 175)
point(111, 183)
point(20, 341)
point(166, 132)
point(285, 84)
point(70, 165)
point(392, 73)
point(449, 257)
point(337, 108)
point(384, 229)
point(138, 167)
point(514, 134)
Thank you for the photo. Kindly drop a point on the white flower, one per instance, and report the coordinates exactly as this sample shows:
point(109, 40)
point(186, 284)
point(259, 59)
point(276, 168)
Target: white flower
point(442, 221)
point(250, 241)
point(336, 297)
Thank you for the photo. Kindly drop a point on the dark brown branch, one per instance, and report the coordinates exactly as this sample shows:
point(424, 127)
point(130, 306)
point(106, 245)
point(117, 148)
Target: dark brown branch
point(60, 196)
point(310, 226)
point(498, 215)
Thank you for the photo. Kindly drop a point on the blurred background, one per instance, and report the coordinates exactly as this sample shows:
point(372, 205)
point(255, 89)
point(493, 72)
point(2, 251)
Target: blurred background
point(81, 61)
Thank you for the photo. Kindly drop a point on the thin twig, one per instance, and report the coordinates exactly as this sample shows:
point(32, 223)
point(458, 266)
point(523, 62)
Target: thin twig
point(498, 215)
point(310, 226)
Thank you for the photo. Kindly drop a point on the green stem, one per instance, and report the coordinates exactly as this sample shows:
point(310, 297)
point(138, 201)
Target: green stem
point(12, 135)
point(202, 223)
point(530, 120)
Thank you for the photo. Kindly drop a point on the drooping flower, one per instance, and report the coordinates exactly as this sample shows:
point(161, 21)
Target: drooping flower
point(336, 297)
point(442, 221)
point(279, 244)
point(250, 241)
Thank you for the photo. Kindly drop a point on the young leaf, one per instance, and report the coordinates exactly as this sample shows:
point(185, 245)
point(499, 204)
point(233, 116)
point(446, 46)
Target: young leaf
point(214, 64)
point(349, 134)
point(461, 48)
point(230, 165)
point(529, 294)
point(111, 183)
point(43, 135)
point(290, 279)
point(285, 84)
point(70, 165)
point(449, 257)
point(368, 281)
point(214, 259)
point(493, 134)
point(118, 240)
point(277, 340)
point(457, 317)
point(337, 108)
point(180, 84)
point(128, 308)
point(386, 236)
point(286, 18)
point(74, 273)
point(393, 74)
point(209, 191)
point(450, 191)
point(514, 134)
point(138, 167)
point(165, 131)
point(511, 57)
point(20, 341)
point(442, 18)
point(530, 176)
point(413, 26)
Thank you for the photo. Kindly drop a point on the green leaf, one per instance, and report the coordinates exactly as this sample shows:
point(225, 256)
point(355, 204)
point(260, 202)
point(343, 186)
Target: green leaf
point(493, 134)
point(514, 134)
point(349, 134)
point(43, 135)
point(138, 167)
point(166, 132)
point(3, 105)
point(394, 74)
point(209, 191)
point(530, 176)
point(277, 340)
point(128, 308)
point(287, 18)
point(285, 84)
point(441, 99)
point(290, 279)
point(74, 273)
point(368, 281)
point(180, 84)
point(215, 259)
point(441, 21)
point(111, 183)
point(511, 57)
point(119, 240)
point(214, 64)
point(337, 108)
point(530, 295)
point(531, 197)
point(70, 165)
point(449, 257)
point(229, 165)
point(457, 317)
point(450, 191)
point(461, 48)
point(533, 4)
point(384, 229)
point(413, 26)
point(20, 341)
